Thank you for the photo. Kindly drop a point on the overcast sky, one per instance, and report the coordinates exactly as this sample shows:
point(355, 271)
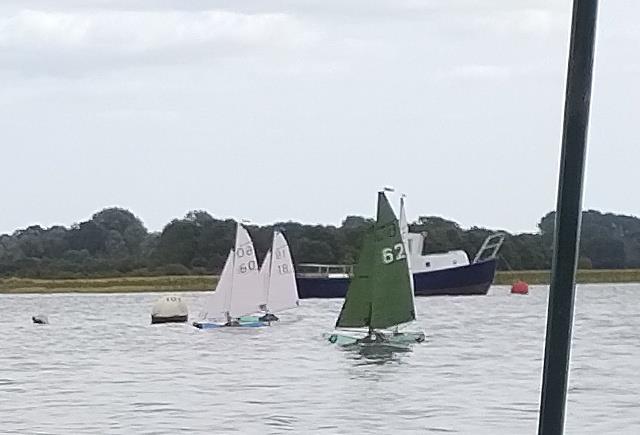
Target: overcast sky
point(301, 110)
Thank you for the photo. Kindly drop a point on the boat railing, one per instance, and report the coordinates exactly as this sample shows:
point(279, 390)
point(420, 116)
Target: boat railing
point(324, 270)
point(490, 247)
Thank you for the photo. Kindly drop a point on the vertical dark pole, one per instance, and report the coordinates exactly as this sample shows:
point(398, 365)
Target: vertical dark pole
point(568, 218)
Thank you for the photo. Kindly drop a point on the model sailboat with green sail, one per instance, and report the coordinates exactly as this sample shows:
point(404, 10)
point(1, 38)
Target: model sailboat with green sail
point(380, 297)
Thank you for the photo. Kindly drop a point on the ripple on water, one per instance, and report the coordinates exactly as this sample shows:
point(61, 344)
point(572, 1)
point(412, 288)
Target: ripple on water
point(100, 367)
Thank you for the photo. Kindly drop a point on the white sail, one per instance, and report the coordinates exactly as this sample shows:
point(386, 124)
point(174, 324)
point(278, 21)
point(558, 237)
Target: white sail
point(404, 226)
point(282, 291)
point(404, 233)
point(265, 272)
point(247, 288)
point(217, 304)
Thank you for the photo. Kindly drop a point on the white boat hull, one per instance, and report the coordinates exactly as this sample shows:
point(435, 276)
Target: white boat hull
point(400, 339)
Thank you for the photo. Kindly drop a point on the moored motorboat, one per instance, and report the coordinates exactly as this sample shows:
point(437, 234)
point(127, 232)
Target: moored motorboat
point(435, 274)
point(470, 279)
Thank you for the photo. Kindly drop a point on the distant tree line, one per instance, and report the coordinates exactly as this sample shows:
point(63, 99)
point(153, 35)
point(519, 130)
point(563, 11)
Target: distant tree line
point(115, 242)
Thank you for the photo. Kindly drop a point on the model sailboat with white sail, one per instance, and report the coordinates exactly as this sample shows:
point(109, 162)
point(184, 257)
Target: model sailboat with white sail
point(279, 279)
point(380, 295)
point(239, 290)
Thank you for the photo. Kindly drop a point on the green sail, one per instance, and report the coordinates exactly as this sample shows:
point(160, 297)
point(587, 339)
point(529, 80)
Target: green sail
point(380, 294)
point(357, 307)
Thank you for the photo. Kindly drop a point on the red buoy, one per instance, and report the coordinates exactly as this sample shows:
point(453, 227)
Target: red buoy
point(520, 288)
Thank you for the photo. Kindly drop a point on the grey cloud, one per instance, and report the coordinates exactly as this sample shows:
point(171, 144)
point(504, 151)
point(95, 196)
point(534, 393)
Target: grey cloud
point(167, 105)
point(94, 40)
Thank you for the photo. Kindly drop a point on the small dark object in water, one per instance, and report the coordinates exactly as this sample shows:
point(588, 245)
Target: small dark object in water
point(40, 320)
point(269, 317)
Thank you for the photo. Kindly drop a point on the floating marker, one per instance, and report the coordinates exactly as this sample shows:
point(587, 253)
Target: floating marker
point(169, 309)
point(520, 288)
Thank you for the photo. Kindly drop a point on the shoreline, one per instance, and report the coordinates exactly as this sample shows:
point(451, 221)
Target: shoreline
point(195, 283)
point(584, 276)
point(186, 283)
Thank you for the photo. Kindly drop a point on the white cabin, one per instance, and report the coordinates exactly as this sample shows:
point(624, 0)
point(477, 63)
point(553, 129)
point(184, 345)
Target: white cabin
point(418, 262)
point(430, 262)
point(446, 260)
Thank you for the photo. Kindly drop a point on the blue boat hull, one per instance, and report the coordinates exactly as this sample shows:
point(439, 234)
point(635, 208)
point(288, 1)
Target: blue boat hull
point(472, 279)
point(211, 325)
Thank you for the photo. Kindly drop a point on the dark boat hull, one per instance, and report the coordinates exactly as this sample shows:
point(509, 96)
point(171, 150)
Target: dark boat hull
point(472, 279)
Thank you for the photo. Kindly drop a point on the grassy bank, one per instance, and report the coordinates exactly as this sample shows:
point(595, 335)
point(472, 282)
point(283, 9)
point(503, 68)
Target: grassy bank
point(584, 276)
point(202, 283)
point(108, 285)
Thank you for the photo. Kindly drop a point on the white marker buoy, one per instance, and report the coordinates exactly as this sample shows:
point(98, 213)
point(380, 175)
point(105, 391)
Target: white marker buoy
point(169, 309)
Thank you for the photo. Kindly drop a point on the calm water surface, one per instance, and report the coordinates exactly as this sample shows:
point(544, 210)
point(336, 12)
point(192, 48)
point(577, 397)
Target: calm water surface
point(101, 368)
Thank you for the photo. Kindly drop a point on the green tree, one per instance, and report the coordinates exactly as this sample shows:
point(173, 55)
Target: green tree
point(177, 243)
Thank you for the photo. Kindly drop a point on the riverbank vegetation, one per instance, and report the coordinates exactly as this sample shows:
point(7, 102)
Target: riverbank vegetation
point(114, 243)
point(208, 282)
point(109, 285)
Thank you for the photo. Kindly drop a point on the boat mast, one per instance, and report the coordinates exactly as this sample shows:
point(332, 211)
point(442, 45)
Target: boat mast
point(568, 219)
point(273, 245)
point(233, 272)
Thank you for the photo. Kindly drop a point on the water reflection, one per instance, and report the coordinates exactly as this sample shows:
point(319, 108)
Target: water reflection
point(377, 354)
